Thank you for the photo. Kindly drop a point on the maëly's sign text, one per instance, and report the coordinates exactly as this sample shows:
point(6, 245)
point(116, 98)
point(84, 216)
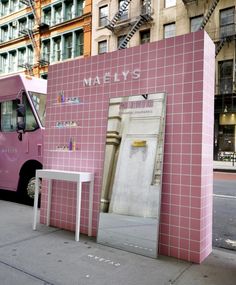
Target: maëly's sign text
point(108, 77)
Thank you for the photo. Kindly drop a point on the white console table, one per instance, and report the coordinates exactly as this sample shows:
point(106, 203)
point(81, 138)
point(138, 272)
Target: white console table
point(78, 177)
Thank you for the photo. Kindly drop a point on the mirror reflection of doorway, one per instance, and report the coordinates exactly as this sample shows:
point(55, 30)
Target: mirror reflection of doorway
point(226, 138)
point(131, 190)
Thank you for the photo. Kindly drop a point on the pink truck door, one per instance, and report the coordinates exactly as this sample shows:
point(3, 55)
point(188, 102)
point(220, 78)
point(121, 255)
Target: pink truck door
point(11, 153)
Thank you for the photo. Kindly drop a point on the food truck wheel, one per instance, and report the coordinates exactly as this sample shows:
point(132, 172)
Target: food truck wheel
point(26, 182)
point(31, 188)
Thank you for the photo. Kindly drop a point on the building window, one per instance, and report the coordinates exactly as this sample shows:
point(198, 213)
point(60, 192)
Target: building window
point(195, 23)
point(21, 56)
point(58, 13)
point(13, 30)
point(170, 3)
point(69, 10)
point(13, 5)
point(4, 33)
point(79, 43)
point(31, 22)
point(124, 15)
point(3, 63)
point(120, 39)
point(102, 47)
point(169, 30)
point(226, 76)
point(12, 61)
point(46, 51)
point(67, 46)
point(30, 55)
point(227, 22)
point(22, 24)
point(103, 16)
point(144, 36)
point(21, 5)
point(57, 49)
point(47, 14)
point(80, 8)
point(146, 7)
point(4, 7)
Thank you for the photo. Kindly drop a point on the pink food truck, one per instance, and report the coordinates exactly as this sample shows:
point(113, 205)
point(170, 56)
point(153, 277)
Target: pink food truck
point(22, 109)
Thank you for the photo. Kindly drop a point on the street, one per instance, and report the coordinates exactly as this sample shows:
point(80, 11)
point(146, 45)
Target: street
point(224, 210)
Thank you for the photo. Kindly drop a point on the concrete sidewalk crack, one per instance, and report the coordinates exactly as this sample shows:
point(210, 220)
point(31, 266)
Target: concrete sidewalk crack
point(177, 278)
point(26, 273)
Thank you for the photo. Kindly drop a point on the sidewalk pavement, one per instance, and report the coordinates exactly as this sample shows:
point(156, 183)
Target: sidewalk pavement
point(51, 256)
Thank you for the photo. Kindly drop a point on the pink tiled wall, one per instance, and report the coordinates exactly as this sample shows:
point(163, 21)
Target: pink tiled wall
point(183, 67)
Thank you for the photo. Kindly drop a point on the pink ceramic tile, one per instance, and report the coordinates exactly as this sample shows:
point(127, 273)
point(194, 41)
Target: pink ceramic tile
point(189, 84)
point(184, 221)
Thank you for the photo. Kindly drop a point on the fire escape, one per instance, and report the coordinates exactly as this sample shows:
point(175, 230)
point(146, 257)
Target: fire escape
point(227, 36)
point(30, 33)
point(143, 18)
point(208, 14)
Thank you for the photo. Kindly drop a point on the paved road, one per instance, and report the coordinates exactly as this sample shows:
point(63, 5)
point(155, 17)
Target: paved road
point(224, 210)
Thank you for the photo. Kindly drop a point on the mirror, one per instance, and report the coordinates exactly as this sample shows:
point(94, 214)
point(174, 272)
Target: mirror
point(132, 177)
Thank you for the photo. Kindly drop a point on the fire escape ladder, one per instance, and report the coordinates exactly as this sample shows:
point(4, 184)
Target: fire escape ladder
point(141, 19)
point(31, 4)
point(220, 45)
point(30, 34)
point(144, 17)
point(117, 16)
point(208, 14)
point(29, 68)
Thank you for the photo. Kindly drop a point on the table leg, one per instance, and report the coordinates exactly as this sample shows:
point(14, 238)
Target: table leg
point(91, 185)
point(36, 197)
point(78, 209)
point(49, 201)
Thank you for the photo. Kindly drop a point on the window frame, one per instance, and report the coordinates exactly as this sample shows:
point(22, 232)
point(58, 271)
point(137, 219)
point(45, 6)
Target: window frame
point(120, 39)
point(125, 14)
point(165, 32)
point(195, 27)
point(145, 40)
point(79, 40)
point(103, 19)
point(100, 48)
point(169, 3)
point(68, 46)
point(11, 115)
point(227, 28)
point(224, 79)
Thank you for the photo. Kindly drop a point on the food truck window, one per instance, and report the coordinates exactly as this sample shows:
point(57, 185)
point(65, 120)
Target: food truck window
point(31, 123)
point(8, 116)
